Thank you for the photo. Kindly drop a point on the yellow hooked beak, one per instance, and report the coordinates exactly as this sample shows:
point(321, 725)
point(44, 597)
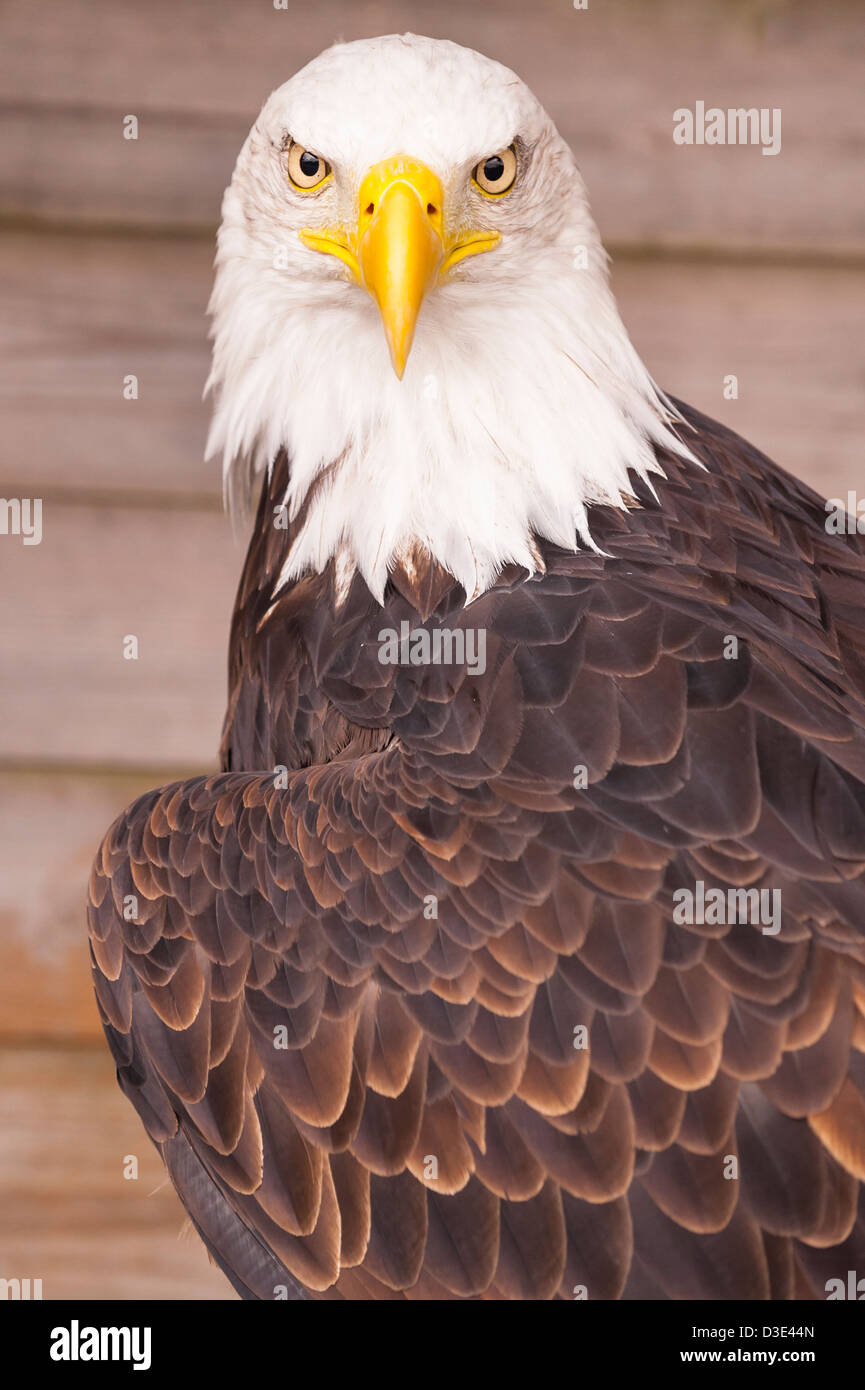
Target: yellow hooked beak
point(398, 249)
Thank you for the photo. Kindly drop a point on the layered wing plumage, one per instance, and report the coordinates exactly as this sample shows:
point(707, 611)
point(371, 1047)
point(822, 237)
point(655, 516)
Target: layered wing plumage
point(347, 982)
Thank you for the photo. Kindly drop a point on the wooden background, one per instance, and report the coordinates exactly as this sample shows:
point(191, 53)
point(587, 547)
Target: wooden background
point(724, 261)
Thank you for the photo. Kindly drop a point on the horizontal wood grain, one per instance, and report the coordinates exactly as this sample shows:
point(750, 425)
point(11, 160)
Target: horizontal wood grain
point(196, 73)
point(793, 339)
point(82, 314)
point(67, 692)
point(68, 1216)
point(51, 823)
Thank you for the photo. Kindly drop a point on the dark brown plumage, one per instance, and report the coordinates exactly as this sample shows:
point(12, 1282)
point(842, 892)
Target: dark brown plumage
point(410, 1037)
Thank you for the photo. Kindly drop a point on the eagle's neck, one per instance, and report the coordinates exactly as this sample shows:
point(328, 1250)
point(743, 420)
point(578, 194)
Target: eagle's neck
point(522, 404)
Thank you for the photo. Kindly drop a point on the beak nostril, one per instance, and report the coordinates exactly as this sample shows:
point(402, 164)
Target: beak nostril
point(370, 210)
point(431, 209)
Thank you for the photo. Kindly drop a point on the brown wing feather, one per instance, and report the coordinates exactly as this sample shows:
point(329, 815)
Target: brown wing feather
point(349, 1003)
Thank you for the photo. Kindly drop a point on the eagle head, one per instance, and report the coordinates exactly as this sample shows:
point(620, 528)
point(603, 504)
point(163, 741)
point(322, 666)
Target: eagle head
point(412, 301)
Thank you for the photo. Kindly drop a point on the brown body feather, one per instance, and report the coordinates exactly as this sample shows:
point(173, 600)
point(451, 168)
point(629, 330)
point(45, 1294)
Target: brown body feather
point(361, 1095)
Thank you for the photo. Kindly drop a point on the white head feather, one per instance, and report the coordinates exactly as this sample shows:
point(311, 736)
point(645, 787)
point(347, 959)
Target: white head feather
point(523, 400)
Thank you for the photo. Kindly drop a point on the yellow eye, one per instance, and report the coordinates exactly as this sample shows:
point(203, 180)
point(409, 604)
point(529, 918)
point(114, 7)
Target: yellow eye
point(496, 173)
point(305, 169)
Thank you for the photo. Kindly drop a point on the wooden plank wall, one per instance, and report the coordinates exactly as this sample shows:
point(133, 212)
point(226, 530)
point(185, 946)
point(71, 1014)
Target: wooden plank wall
point(724, 261)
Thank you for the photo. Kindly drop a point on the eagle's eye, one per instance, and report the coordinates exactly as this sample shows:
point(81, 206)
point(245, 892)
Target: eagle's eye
point(497, 172)
point(305, 169)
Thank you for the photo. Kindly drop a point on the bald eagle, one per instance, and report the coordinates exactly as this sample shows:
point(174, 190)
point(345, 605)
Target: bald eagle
point(517, 950)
